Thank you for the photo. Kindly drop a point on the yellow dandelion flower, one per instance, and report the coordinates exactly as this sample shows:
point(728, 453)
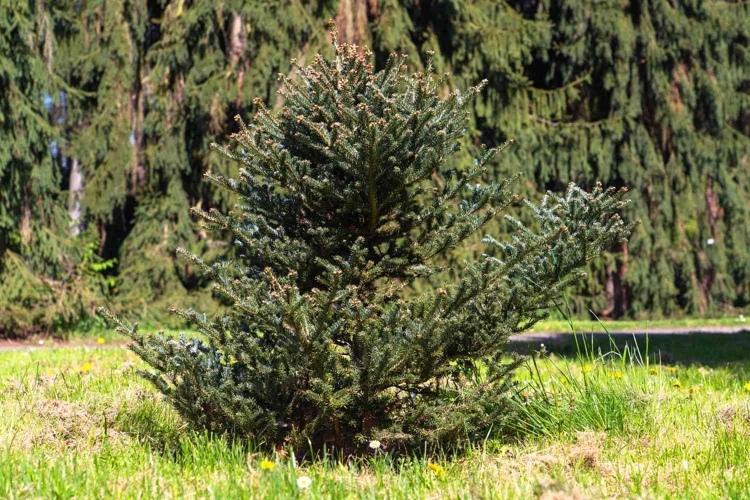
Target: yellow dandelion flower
point(693, 390)
point(617, 374)
point(438, 470)
point(267, 465)
point(653, 371)
point(374, 444)
point(747, 386)
point(86, 367)
point(677, 384)
point(100, 340)
point(587, 368)
point(671, 369)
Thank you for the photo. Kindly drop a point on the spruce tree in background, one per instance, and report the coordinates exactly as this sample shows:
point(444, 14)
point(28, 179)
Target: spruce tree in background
point(49, 279)
point(162, 78)
point(647, 93)
point(338, 211)
point(651, 94)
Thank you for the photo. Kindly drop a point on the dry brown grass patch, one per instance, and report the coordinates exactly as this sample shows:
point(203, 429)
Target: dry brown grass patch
point(58, 423)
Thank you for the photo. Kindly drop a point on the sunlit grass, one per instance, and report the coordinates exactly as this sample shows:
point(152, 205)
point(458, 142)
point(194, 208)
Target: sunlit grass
point(552, 325)
point(588, 326)
point(604, 421)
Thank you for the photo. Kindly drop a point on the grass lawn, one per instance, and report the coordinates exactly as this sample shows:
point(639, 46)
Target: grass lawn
point(78, 422)
point(588, 326)
point(551, 325)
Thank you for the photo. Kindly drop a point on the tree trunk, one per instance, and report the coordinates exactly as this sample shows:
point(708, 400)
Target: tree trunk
point(74, 198)
point(136, 138)
point(25, 228)
point(352, 22)
point(136, 108)
point(622, 290)
point(237, 40)
point(617, 293)
point(236, 45)
point(609, 287)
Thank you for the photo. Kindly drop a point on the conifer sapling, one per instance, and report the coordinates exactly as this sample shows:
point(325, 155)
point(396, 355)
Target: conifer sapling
point(339, 212)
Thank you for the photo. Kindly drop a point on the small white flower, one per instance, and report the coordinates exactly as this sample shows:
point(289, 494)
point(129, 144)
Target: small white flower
point(303, 482)
point(710, 241)
point(41, 342)
point(742, 318)
point(685, 465)
point(374, 444)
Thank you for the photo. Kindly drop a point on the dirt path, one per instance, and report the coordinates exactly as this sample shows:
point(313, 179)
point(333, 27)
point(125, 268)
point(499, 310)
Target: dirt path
point(523, 338)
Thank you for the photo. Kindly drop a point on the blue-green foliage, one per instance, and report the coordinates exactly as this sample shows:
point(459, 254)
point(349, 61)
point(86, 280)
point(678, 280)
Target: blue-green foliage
point(339, 211)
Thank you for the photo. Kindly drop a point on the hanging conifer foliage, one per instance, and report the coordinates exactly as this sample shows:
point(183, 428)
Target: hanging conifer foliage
point(338, 211)
point(127, 95)
point(650, 94)
point(48, 277)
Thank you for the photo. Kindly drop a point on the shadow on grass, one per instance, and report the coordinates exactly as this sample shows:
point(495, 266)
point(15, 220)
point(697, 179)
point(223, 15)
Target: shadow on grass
point(712, 350)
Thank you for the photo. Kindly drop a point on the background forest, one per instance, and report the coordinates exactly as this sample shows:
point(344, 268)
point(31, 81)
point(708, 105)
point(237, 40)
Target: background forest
point(108, 108)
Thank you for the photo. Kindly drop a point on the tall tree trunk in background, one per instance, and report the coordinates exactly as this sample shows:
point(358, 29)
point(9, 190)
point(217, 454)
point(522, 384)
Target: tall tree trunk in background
point(237, 40)
point(136, 115)
point(617, 292)
point(235, 48)
point(621, 304)
point(136, 138)
point(25, 226)
point(352, 21)
point(609, 289)
point(75, 195)
point(715, 213)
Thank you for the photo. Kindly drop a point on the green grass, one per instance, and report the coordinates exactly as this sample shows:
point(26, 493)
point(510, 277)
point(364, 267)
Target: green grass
point(562, 325)
point(547, 326)
point(603, 424)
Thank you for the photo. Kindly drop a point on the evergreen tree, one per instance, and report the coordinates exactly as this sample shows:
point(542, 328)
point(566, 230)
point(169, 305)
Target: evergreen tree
point(648, 93)
point(160, 78)
point(338, 211)
point(46, 275)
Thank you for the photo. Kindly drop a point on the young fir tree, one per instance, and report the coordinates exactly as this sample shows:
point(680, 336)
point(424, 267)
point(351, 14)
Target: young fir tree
point(339, 212)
